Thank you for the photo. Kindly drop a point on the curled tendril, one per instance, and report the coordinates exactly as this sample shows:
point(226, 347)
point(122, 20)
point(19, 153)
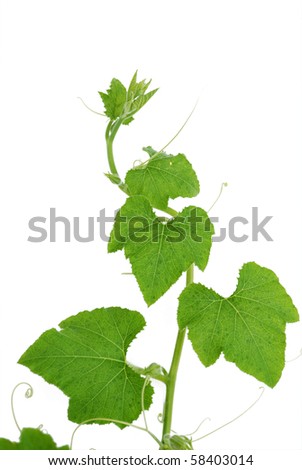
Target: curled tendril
point(28, 394)
point(234, 419)
point(223, 185)
point(136, 163)
point(42, 429)
point(295, 358)
point(160, 418)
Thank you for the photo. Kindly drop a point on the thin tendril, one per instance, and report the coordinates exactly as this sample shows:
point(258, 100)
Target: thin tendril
point(198, 427)
point(116, 421)
point(173, 138)
point(295, 358)
point(234, 419)
point(190, 433)
point(28, 394)
point(223, 185)
point(92, 110)
point(179, 131)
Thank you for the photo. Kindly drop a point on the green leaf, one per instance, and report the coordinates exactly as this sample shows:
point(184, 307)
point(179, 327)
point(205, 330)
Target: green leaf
point(160, 252)
point(139, 102)
point(114, 100)
point(137, 93)
point(122, 103)
point(248, 327)
point(163, 177)
point(86, 359)
point(31, 439)
point(136, 88)
point(5, 444)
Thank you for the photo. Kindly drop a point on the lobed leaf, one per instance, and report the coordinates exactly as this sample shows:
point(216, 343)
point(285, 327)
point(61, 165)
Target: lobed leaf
point(248, 327)
point(163, 177)
point(160, 252)
point(86, 359)
point(114, 100)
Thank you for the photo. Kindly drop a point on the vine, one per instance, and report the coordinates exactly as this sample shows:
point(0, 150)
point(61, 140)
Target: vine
point(86, 357)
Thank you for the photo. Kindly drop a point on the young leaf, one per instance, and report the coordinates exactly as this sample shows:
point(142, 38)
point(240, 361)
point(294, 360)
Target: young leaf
point(163, 177)
point(114, 100)
point(160, 252)
point(248, 327)
point(31, 439)
point(137, 93)
point(122, 103)
point(139, 102)
point(86, 359)
point(136, 88)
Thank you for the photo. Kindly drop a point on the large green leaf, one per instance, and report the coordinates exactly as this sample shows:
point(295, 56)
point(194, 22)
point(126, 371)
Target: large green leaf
point(163, 177)
point(31, 439)
point(160, 252)
point(248, 327)
point(86, 359)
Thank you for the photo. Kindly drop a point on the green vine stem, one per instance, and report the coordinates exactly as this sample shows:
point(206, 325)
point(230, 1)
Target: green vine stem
point(111, 131)
point(171, 381)
point(110, 134)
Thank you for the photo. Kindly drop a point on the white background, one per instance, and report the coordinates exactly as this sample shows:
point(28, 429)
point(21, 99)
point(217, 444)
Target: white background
point(242, 59)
